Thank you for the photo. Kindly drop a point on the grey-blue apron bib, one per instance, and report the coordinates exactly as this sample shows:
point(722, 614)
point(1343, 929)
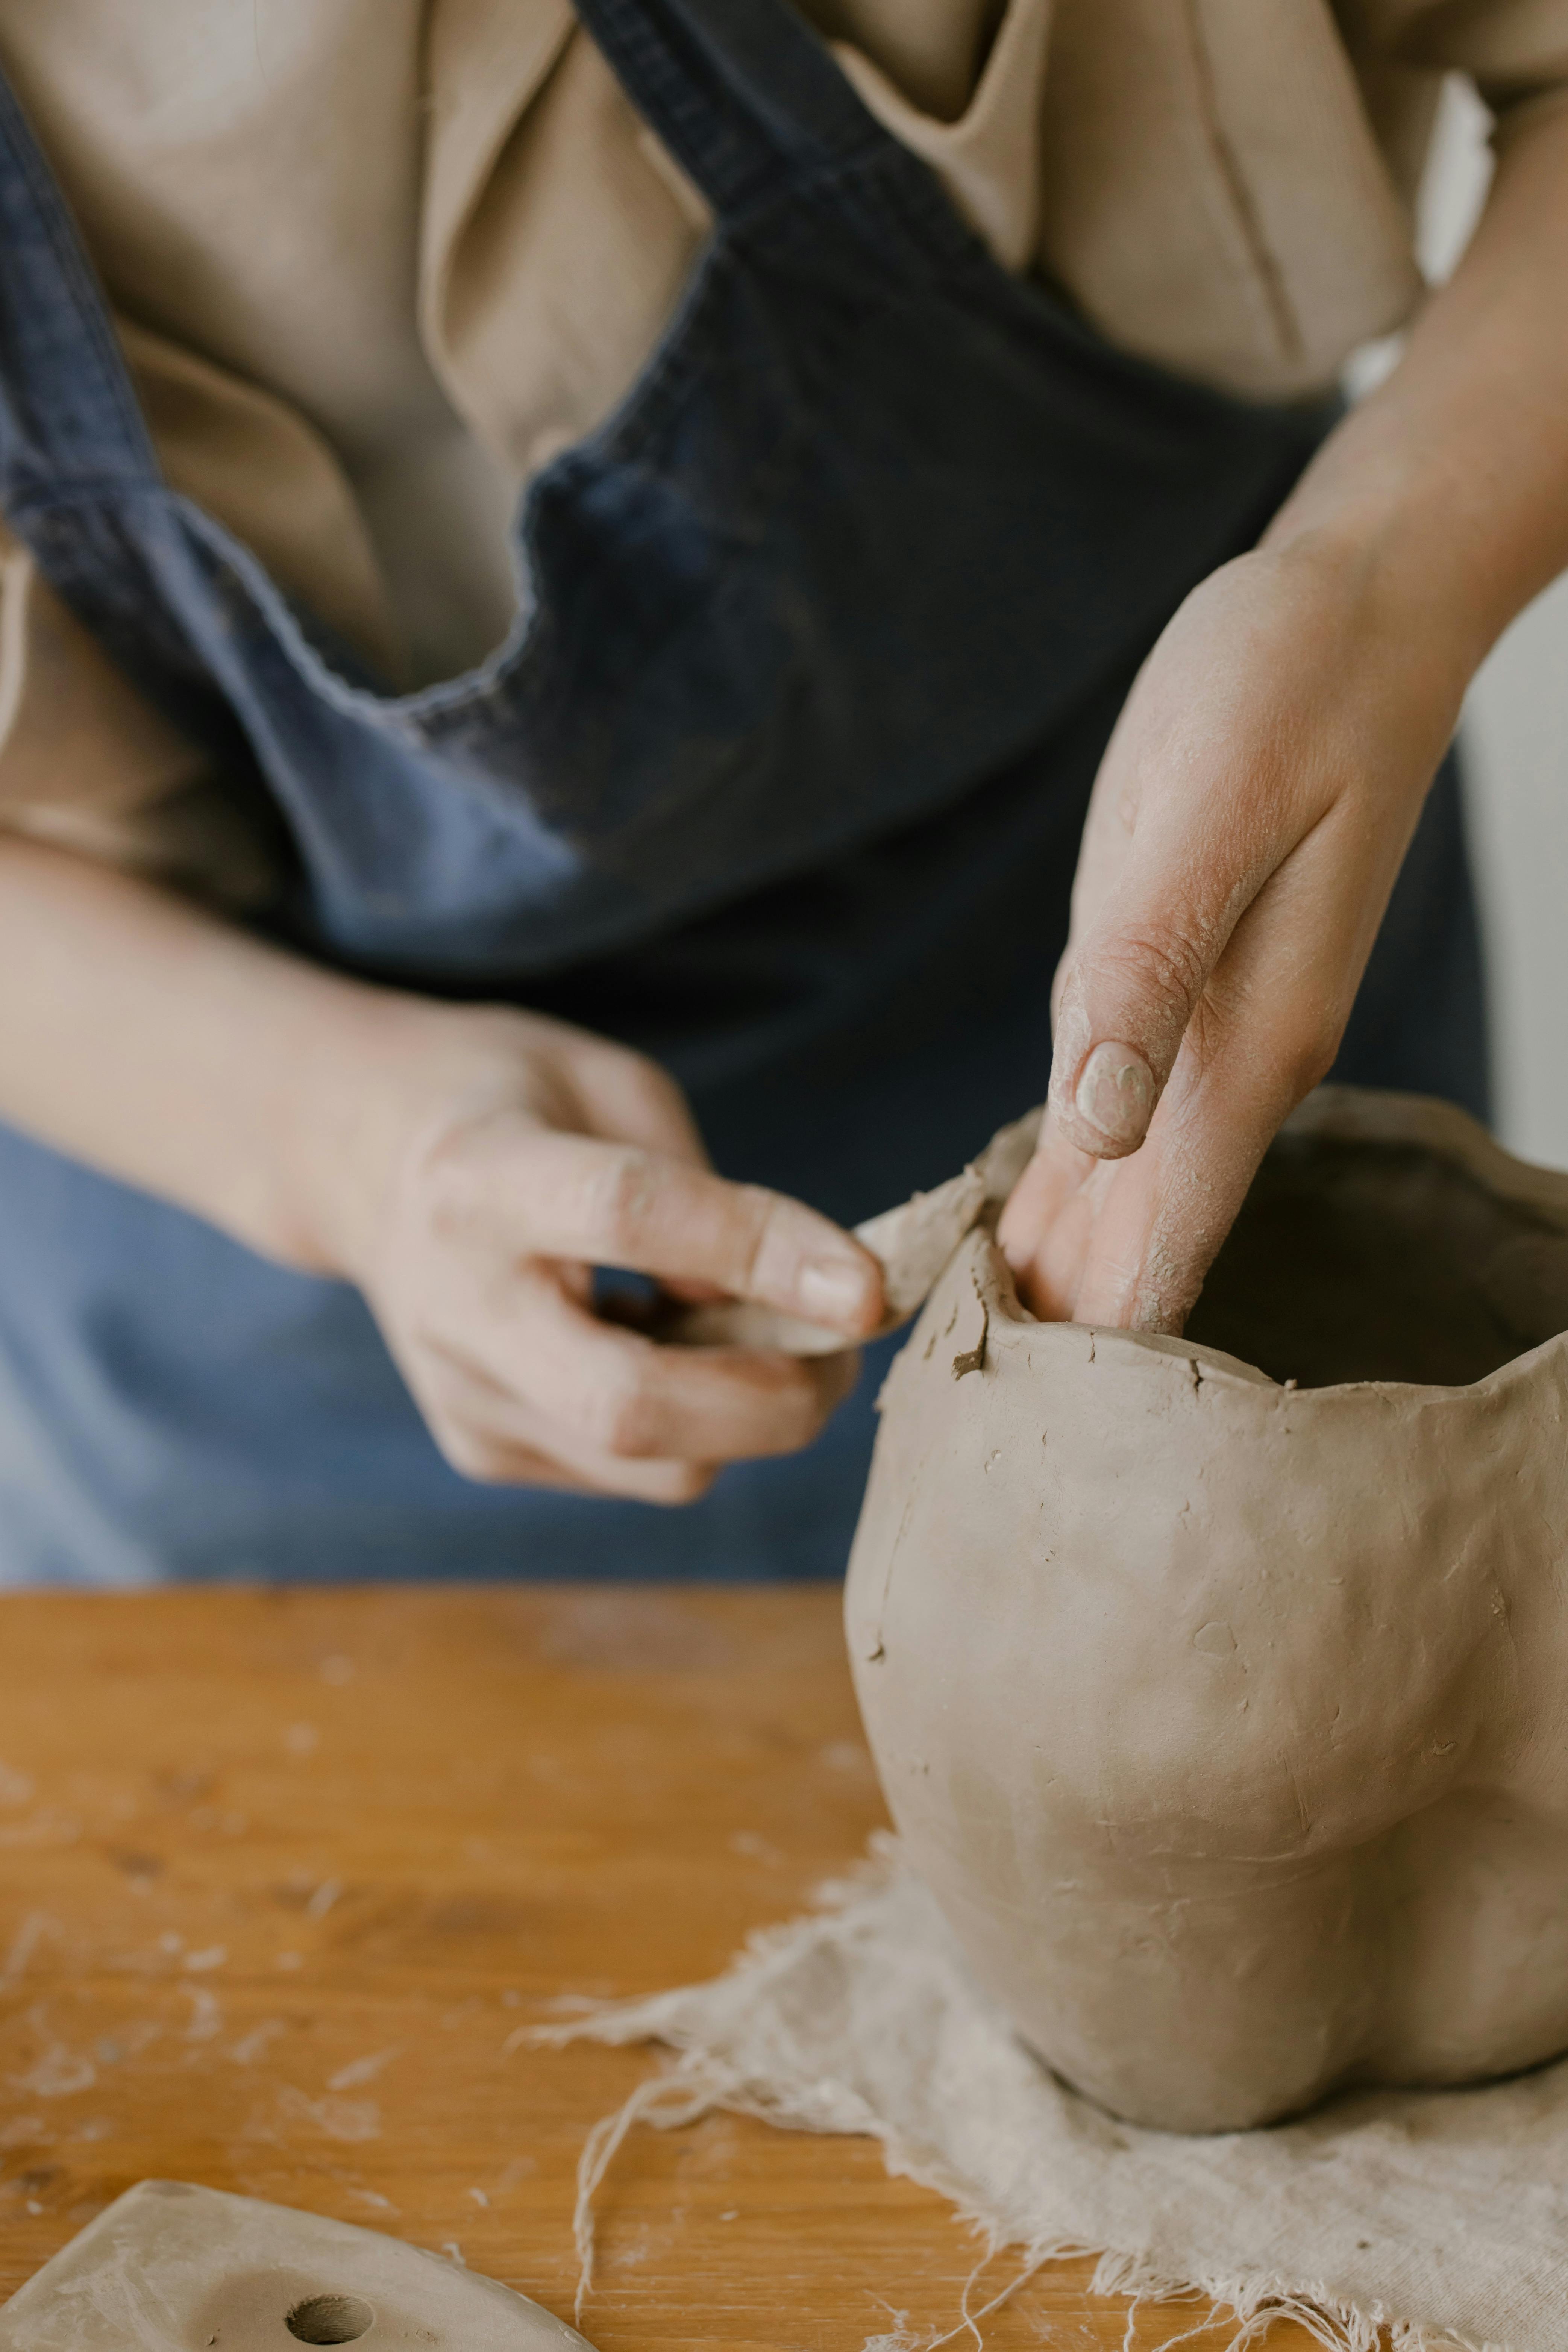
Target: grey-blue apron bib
point(779, 775)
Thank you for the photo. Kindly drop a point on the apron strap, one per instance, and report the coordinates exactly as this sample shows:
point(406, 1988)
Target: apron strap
point(742, 92)
point(66, 406)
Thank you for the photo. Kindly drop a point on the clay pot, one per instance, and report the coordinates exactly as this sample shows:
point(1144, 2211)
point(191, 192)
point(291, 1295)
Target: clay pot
point(1219, 1686)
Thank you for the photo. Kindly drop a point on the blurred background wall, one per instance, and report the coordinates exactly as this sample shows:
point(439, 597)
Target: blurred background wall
point(1516, 745)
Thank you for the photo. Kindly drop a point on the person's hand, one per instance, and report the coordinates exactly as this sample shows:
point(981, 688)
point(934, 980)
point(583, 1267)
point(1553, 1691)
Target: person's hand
point(1247, 825)
point(496, 1159)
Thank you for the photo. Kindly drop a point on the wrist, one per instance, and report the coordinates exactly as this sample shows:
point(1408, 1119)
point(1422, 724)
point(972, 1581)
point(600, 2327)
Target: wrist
point(1405, 626)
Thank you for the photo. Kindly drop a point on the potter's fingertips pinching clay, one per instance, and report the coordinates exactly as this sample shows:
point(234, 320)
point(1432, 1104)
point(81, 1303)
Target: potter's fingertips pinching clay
point(912, 1243)
point(1216, 1684)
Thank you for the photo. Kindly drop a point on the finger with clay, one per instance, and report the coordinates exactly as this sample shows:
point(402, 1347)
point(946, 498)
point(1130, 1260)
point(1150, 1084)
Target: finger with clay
point(547, 1154)
point(1245, 830)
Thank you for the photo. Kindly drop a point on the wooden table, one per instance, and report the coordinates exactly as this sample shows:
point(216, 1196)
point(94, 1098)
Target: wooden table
point(280, 1874)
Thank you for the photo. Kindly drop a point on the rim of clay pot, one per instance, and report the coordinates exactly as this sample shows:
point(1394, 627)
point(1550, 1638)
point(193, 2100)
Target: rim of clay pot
point(1340, 1114)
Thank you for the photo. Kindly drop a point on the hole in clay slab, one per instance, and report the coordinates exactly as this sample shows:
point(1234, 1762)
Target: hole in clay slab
point(1380, 1262)
point(330, 2319)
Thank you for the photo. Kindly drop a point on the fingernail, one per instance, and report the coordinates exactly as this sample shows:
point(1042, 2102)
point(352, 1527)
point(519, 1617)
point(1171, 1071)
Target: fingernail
point(1116, 1093)
point(831, 1290)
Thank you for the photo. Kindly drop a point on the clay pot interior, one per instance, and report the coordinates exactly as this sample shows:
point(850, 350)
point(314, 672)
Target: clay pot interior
point(1361, 1260)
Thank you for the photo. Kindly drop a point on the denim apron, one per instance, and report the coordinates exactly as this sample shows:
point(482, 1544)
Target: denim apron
point(779, 776)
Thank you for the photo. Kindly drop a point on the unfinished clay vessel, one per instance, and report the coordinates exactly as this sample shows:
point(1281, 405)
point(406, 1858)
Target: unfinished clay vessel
point(1219, 1686)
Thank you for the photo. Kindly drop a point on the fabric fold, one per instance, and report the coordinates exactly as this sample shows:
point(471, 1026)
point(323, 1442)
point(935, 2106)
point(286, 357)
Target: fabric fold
point(1421, 2222)
point(988, 159)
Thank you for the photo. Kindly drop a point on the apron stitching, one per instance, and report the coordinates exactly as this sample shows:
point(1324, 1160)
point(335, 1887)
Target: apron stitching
point(704, 104)
point(87, 305)
point(669, 379)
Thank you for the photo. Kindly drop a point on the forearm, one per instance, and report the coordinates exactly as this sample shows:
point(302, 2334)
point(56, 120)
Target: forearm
point(170, 1050)
point(1447, 489)
point(1268, 770)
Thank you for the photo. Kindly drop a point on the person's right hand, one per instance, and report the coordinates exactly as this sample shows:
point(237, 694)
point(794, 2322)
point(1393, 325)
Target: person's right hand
point(495, 1159)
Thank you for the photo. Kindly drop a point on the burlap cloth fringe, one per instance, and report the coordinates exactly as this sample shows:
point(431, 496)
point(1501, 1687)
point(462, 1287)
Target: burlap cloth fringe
point(1421, 2222)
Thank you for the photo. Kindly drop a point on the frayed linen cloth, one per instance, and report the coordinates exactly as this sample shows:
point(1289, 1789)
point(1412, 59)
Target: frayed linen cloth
point(1425, 2221)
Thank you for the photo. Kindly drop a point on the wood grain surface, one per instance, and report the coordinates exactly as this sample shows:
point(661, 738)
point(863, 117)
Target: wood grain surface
point(282, 1874)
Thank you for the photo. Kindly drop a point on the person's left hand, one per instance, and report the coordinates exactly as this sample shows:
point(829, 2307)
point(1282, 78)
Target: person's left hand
point(1247, 825)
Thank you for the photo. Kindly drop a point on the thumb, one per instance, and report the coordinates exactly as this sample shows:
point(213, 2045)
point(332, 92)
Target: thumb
point(1127, 994)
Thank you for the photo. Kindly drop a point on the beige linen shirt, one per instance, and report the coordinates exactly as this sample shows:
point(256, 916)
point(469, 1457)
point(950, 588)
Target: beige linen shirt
point(372, 261)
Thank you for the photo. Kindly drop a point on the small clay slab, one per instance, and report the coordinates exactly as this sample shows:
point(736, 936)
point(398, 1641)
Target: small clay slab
point(173, 2268)
point(912, 1242)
